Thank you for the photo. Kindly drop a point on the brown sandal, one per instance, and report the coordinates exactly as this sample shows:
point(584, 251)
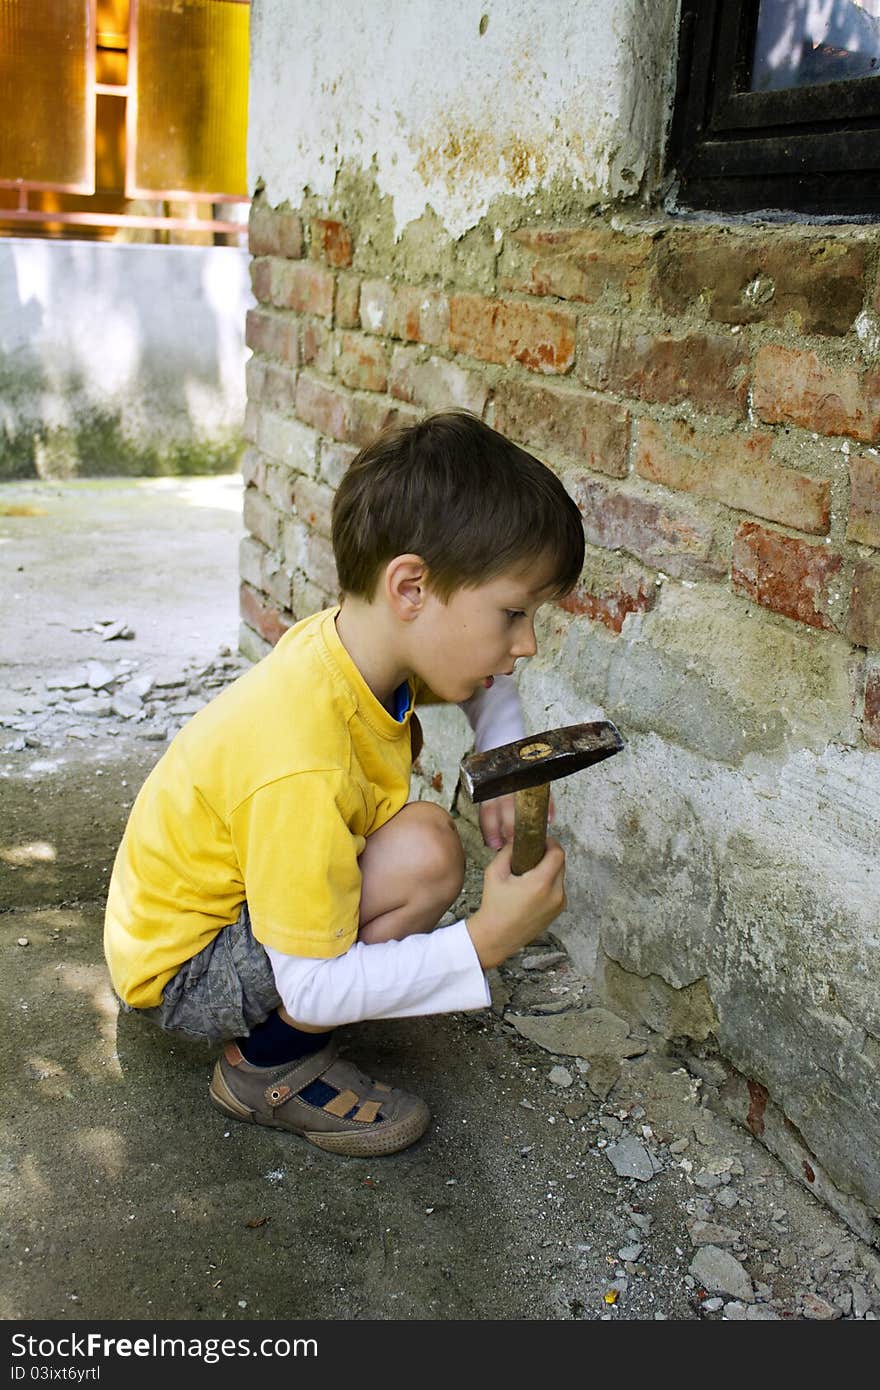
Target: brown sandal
point(324, 1099)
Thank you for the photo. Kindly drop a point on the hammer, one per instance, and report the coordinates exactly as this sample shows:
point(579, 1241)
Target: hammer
point(527, 767)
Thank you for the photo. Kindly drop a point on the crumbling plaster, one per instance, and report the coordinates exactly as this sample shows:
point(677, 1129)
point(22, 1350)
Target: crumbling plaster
point(420, 90)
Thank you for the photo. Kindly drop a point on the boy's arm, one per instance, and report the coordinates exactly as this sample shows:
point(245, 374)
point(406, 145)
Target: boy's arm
point(424, 974)
point(440, 972)
point(496, 717)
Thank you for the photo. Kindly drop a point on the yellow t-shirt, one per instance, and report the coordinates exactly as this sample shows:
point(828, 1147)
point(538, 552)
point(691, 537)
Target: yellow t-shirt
point(267, 794)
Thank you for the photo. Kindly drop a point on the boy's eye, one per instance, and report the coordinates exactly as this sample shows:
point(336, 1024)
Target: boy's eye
point(514, 613)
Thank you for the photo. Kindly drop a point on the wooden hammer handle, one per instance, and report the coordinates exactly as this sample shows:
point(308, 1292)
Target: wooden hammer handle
point(530, 828)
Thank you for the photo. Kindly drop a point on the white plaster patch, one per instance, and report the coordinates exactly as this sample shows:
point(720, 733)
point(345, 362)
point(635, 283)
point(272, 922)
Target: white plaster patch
point(451, 117)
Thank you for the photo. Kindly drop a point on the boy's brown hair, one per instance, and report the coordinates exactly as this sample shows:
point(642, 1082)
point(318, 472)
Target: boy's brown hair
point(459, 494)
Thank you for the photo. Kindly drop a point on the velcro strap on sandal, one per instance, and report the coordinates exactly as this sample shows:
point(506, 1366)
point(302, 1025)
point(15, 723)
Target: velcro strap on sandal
point(341, 1104)
point(368, 1111)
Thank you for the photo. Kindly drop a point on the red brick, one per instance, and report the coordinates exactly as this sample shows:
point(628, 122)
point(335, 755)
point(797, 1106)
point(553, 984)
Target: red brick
point(274, 335)
point(711, 372)
point(435, 383)
point(251, 422)
point(274, 231)
point(735, 469)
point(348, 295)
point(864, 612)
point(316, 345)
point(611, 605)
point(303, 286)
point(261, 519)
point(280, 483)
point(815, 283)
point(789, 576)
point(361, 362)
point(403, 311)
point(335, 461)
point(308, 598)
point(573, 426)
point(269, 621)
point(872, 707)
point(796, 388)
point(279, 387)
point(313, 503)
point(679, 540)
point(864, 500)
point(320, 563)
point(275, 582)
point(250, 560)
point(253, 469)
point(331, 241)
point(261, 279)
point(255, 378)
point(510, 330)
point(332, 410)
point(580, 263)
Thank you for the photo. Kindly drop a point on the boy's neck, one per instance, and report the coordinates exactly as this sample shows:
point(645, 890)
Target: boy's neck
point(364, 631)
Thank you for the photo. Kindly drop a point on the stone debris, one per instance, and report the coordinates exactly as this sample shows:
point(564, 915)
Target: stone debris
point(99, 698)
point(710, 1233)
point(586, 1033)
point(720, 1272)
point(630, 1159)
point(543, 960)
point(818, 1309)
point(560, 1076)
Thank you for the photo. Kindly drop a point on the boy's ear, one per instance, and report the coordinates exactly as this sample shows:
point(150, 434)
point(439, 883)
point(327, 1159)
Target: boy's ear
point(406, 586)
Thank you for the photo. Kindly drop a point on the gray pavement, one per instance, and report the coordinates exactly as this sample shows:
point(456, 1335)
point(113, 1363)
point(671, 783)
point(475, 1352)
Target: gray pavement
point(545, 1189)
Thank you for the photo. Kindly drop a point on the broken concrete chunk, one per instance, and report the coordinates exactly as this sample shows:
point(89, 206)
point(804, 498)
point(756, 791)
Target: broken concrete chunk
point(68, 680)
point(99, 675)
point(109, 631)
point(585, 1033)
point(603, 1075)
point(720, 1272)
point(99, 705)
point(560, 1076)
point(630, 1159)
point(138, 685)
point(542, 960)
point(126, 706)
point(818, 1309)
point(710, 1233)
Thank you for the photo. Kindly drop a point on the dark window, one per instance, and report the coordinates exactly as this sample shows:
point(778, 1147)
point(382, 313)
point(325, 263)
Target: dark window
point(778, 106)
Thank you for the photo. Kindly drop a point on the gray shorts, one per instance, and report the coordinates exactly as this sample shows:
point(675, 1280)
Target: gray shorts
point(221, 993)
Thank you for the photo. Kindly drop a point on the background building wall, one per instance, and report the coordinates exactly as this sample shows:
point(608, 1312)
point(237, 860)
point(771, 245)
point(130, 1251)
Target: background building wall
point(710, 394)
point(120, 358)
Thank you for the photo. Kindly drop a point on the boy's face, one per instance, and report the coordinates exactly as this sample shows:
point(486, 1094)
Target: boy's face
point(480, 632)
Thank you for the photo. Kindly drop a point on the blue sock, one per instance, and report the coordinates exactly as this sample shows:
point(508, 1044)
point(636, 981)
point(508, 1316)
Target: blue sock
point(273, 1042)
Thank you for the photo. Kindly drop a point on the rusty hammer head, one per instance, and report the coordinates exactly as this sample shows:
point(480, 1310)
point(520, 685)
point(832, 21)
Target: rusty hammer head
point(538, 759)
point(527, 767)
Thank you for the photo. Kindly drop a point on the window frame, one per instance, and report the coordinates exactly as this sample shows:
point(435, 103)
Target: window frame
point(813, 150)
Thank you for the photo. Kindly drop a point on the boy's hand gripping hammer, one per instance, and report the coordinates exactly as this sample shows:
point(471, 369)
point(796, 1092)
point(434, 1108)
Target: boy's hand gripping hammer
point(527, 768)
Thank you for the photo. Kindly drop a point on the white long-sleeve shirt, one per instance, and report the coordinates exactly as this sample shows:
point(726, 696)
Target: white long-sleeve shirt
point(433, 973)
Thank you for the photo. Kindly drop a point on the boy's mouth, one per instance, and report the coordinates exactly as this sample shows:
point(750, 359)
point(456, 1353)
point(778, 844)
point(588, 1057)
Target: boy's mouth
point(489, 682)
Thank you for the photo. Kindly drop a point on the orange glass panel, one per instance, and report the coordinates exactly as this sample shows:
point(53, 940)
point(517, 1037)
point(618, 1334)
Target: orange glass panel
point(111, 67)
point(190, 111)
point(113, 23)
point(47, 92)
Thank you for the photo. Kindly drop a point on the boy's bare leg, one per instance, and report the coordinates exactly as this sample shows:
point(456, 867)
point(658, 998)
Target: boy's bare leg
point(412, 871)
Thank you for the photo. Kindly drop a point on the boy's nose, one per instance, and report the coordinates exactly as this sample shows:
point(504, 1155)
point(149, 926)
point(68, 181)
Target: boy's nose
point(526, 644)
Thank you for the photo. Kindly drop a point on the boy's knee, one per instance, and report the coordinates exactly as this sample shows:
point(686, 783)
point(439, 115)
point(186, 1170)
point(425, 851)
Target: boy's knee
point(435, 847)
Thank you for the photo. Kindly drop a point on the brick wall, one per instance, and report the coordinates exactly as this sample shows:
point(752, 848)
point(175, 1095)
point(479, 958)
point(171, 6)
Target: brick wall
point(709, 395)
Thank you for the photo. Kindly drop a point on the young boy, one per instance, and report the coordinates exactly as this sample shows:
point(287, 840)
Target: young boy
point(273, 881)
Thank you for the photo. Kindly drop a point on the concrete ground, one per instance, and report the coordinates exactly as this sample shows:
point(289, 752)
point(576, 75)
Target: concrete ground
point(541, 1192)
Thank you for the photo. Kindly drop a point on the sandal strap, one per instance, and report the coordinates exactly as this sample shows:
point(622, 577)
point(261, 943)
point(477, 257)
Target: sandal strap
point(355, 1092)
